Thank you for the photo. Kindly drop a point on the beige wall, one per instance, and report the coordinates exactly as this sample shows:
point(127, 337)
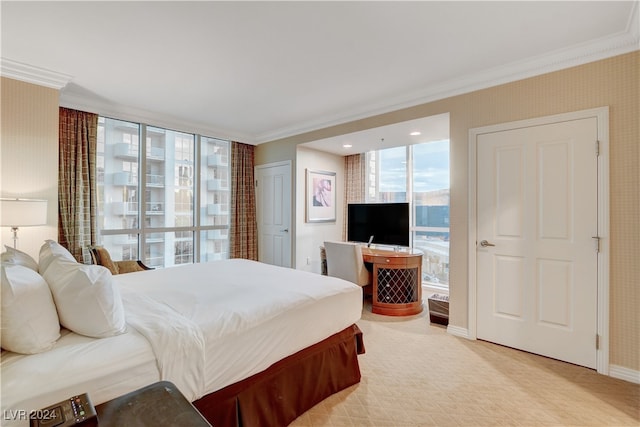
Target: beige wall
point(614, 82)
point(29, 155)
point(310, 236)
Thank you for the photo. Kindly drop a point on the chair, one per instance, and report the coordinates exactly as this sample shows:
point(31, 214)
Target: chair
point(100, 256)
point(344, 260)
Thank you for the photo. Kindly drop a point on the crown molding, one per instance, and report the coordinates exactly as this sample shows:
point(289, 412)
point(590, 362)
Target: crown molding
point(76, 101)
point(606, 47)
point(30, 74)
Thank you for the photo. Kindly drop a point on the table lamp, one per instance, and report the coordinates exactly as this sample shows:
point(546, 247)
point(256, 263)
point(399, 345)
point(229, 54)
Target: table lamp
point(16, 213)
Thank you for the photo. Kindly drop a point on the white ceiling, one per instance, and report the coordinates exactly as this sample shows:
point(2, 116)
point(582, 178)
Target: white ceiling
point(428, 129)
point(258, 71)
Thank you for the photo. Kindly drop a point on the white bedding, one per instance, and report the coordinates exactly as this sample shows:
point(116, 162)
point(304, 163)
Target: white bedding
point(201, 326)
point(248, 314)
point(105, 368)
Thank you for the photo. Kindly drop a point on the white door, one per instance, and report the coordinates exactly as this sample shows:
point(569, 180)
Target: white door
point(273, 195)
point(536, 258)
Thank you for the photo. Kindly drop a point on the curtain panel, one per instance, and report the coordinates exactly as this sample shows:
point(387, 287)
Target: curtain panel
point(243, 230)
point(77, 195)
point(354, 178)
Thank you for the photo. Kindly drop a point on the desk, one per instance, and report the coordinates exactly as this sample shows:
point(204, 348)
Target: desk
point(159, 404)
point(397, 281)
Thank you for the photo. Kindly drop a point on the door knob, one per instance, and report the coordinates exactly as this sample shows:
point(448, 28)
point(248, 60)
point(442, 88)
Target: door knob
point(286, 230)
point(484, 244)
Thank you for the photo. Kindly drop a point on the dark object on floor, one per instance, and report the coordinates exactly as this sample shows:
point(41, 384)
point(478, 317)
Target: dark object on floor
point(439, 309)
point(159, 404)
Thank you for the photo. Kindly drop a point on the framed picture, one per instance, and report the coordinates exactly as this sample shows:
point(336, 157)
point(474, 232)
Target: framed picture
point(321, 196)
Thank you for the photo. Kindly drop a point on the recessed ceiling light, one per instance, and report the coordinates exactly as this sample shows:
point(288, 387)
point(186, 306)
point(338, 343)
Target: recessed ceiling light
point(414, 133)
point(347, 145)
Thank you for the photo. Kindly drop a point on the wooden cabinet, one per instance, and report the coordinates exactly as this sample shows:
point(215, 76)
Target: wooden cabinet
point(397, 281)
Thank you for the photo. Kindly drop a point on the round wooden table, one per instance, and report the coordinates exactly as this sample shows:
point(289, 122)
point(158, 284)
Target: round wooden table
point(397, 281)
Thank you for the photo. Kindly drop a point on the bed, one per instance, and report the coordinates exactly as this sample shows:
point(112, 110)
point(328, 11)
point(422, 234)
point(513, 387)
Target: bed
point(249, 343)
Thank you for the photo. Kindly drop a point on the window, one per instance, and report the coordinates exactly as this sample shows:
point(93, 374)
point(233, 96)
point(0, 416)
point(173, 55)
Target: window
point(418, 174)
point(183, 213)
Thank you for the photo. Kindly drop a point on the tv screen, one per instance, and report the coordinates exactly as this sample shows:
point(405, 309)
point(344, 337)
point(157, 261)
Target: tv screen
point(388, 223)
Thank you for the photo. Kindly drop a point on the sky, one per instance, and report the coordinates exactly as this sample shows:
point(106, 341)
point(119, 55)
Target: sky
point(430, 167)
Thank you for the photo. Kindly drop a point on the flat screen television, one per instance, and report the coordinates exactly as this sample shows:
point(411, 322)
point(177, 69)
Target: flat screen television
point(388, 223)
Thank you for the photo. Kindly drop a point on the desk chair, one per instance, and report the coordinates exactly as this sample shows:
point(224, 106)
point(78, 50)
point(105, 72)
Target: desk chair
point(344, 260)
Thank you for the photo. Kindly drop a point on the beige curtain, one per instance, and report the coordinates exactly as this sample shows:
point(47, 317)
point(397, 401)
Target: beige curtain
point(243, 230)
point(77, 190)
point(354, 190)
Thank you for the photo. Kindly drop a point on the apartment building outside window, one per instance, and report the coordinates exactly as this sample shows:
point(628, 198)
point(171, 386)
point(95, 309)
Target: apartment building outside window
point(418, 174)
point(166, 201)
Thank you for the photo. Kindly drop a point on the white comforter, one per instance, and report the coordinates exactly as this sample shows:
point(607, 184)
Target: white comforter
point(213, 324)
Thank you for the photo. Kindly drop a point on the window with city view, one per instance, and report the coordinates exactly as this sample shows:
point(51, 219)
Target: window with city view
point(166, 201)
point(418, 174)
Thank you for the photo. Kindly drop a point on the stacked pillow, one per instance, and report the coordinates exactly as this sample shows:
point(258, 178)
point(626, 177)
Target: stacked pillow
point(29, 318)
point(87, 301)
point(15, 257)
point(79, 297)
point(49, 252)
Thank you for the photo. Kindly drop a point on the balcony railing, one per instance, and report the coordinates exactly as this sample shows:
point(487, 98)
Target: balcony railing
point(124, 208)
point(217, 160)
point(217, 234)
point(217, 209)
point(124, 150)
point(217, 184)
point(125, 239)
point(154, 180)
point(125, 178)
point(155, 153)
point(154, 208)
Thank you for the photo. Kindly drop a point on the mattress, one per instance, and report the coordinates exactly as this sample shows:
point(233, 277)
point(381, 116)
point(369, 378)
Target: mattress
point(105, 368)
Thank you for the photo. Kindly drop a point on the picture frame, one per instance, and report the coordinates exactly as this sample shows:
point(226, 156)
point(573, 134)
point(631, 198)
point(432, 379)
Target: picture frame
point(321, 196)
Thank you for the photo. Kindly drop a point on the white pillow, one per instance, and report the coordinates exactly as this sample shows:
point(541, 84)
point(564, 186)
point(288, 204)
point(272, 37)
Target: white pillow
point(16, 257)
point(50, 250)
point(88, 302)
point(29, 319)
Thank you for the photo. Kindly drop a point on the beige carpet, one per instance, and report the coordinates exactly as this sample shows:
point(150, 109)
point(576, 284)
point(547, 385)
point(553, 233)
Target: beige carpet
point(415, 374)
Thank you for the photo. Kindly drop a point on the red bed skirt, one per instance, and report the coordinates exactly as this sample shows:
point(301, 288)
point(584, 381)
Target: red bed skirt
point(290, 387)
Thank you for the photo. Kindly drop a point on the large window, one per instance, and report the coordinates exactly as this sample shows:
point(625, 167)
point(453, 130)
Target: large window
point(165, 201)
point(418, 174)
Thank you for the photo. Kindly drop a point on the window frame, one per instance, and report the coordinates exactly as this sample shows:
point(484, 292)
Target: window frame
point(144, 229)
point(374, 157)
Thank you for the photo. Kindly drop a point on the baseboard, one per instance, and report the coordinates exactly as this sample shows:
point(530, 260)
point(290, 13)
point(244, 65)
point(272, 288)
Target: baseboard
point(623, 373)
point(458, 331)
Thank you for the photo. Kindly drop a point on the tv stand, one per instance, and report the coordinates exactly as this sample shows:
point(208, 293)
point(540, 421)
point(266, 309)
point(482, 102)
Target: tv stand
point(397, 281)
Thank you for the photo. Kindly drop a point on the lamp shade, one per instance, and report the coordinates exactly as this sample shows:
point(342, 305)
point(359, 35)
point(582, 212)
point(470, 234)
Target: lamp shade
point(22, 212)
